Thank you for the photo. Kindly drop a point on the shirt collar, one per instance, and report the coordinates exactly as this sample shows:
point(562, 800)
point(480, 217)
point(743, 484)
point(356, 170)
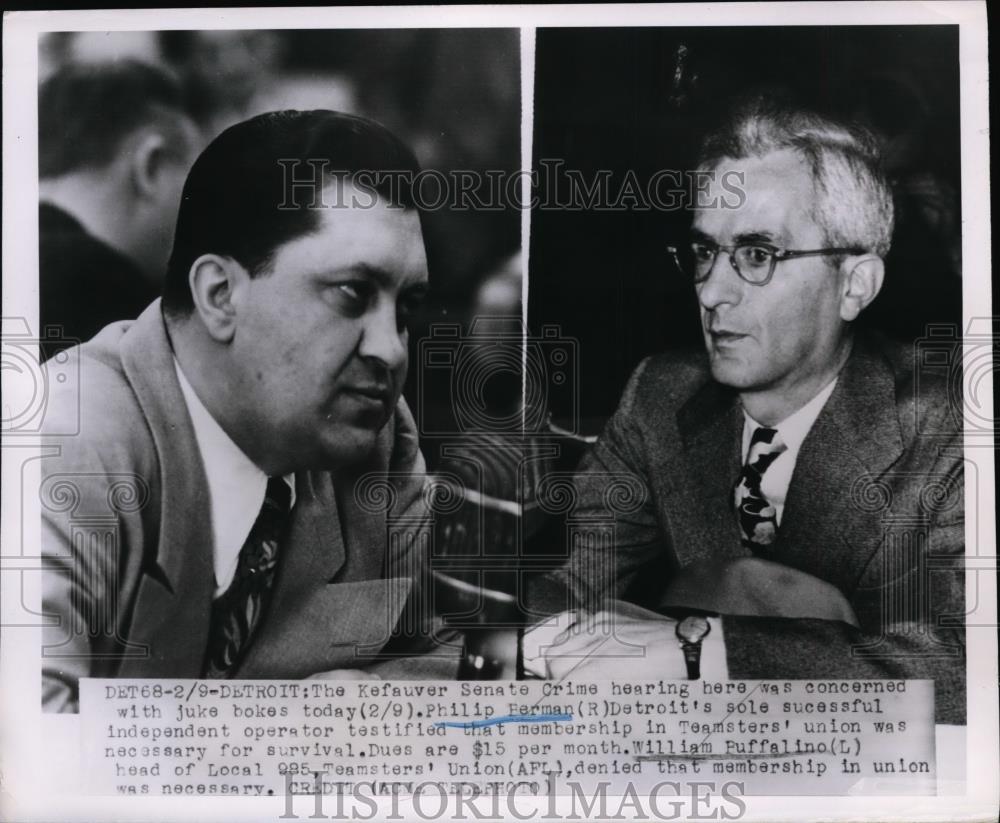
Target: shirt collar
point(236, 485)
point(794, 428)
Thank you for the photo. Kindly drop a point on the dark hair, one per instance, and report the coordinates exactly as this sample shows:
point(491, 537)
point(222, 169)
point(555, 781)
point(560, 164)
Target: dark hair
point(238, 201)
point(85, 111)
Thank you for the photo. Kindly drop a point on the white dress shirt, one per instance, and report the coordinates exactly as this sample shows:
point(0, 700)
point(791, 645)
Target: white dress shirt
point(236, 486)
point(792, 431)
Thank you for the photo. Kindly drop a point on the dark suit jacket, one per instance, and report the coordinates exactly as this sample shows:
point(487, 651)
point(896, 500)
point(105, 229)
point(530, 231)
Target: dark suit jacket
point(875, 507)
point(126, 534)
point(84, 284)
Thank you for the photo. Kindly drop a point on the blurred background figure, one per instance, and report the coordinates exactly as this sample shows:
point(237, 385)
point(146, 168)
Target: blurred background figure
point(453, 95)
point(115, 145)
point(224, 71)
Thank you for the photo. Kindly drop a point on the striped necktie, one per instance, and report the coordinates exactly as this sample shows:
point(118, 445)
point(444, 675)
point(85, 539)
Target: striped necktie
point(757, 517)
point(236, 614)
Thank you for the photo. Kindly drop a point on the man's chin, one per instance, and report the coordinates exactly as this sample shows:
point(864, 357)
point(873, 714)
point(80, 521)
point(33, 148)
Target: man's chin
point(349, 445)
point(730, 371)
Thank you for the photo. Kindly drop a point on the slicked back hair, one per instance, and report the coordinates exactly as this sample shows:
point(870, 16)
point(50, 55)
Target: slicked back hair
point(249, 191)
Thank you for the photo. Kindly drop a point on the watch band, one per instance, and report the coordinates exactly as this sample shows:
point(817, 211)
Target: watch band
point(692, 657)
point(690, 632)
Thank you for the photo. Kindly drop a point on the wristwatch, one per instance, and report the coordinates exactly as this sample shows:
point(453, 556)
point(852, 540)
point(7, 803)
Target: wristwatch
point(691, 631)
point(479, 660)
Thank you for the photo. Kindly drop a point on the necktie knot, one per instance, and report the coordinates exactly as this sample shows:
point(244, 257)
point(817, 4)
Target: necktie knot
point(763, 434)
point(278, 495)
point(765, 443)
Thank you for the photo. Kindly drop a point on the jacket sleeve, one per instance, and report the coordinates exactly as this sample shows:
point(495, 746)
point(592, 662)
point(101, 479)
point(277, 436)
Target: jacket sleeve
point(67, 599)
point(89, 525)
point(613, 534)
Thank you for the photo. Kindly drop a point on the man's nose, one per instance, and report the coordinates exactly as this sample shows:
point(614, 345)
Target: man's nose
point(721, 285)
point(382, 338)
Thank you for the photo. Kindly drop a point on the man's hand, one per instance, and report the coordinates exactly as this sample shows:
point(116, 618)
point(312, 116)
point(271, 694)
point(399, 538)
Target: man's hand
point(611, 644)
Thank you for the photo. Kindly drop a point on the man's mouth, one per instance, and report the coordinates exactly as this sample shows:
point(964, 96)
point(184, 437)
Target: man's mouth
point(721, 337)
point(374, 394)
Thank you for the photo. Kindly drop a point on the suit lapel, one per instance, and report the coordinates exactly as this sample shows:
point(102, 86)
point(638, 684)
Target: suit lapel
point(711, 426)
point(827, 528)
point(313, 550)
point(330, 606)
point(321, 605)
point(171, 611)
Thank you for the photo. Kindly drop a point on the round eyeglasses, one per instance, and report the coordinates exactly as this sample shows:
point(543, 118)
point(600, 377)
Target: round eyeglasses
point(753, 261)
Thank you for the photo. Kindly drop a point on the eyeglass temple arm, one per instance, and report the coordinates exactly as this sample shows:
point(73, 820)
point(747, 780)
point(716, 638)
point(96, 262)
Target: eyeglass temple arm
point(788, 254)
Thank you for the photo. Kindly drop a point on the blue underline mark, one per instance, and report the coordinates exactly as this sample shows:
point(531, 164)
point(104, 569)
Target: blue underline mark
point(509, 718)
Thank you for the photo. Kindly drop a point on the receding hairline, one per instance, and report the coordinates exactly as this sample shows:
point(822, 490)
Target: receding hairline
point(831, 147)
point(726, 164)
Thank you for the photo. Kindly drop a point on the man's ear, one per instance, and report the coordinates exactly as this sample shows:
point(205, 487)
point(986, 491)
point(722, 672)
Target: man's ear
point(149, 157)
point(216, 283)
point(863, 276)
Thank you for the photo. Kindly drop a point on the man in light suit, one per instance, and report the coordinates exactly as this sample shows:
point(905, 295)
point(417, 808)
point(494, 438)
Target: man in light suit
point(795, 482)
point(222, 510)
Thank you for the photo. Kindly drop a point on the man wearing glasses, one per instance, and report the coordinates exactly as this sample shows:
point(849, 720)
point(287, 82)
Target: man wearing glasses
point(801, 506)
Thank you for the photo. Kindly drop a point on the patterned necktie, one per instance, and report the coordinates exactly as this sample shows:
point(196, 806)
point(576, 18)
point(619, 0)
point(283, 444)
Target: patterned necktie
point(758, 518)
point(237, 612)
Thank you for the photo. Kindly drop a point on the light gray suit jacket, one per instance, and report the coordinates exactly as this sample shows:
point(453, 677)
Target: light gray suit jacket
point(875, 507)
point(126, 535)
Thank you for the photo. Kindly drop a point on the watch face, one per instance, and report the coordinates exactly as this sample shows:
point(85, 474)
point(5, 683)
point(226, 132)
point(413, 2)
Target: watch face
point(693, 629)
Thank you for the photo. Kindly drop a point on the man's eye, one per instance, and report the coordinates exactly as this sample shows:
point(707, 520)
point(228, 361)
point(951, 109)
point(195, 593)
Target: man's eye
point(702, 252)
point(349, 297)
point(757, 255)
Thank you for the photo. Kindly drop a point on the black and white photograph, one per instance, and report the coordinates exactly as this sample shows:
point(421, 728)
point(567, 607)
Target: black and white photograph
point(766, 256)
point(459, 412)
point(322, 388)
